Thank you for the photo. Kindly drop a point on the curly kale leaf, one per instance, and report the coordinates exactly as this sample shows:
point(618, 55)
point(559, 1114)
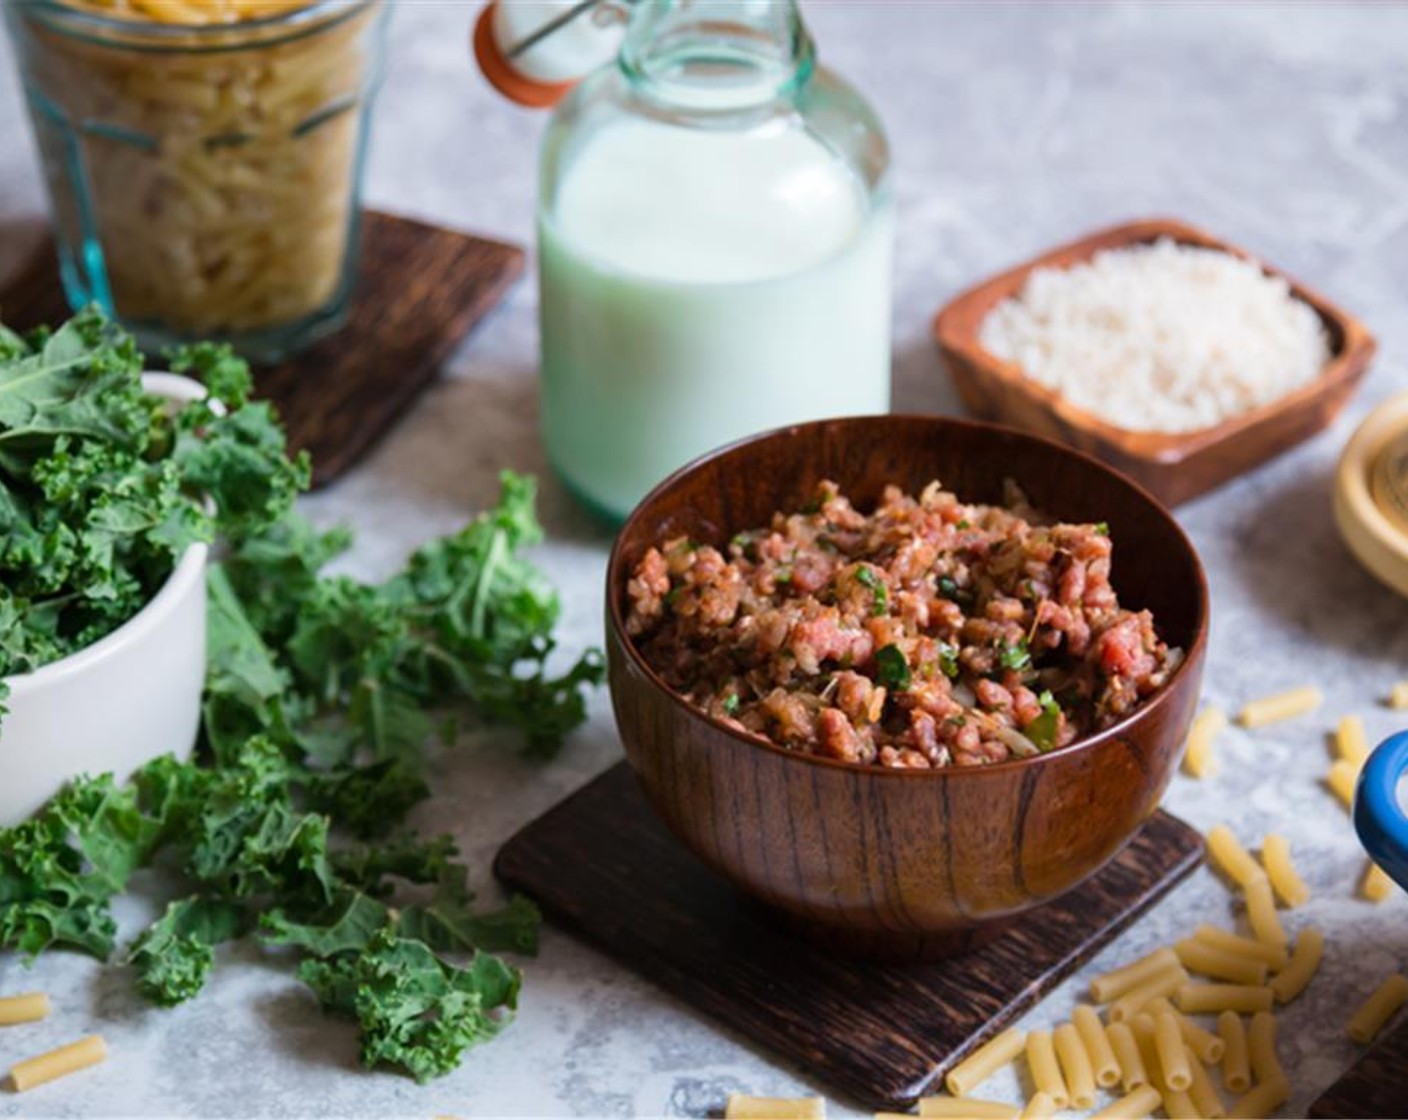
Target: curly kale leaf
point(249, 839)
point(60, 869)
point(81, 381)
point(414, 1009)
point(347, 927)
point(274, 572)
point(367, 801)
point(447, 922)
point(175, 953)
point(408, 857)
point(467, 625)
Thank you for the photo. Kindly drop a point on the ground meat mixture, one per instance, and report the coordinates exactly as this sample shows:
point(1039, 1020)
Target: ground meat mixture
point(928, 633)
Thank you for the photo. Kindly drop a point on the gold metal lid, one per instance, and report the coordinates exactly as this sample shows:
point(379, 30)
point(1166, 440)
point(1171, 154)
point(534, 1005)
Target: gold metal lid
point(1371, 493)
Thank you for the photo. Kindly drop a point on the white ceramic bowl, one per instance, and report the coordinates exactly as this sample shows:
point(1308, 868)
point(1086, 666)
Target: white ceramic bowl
point(126, 699)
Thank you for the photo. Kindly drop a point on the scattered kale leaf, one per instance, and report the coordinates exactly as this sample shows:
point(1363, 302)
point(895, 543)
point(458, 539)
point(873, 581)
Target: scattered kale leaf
point(175, 953)
point(60, 869)
point(415, 1009)
point(346, 927)
point(448, 923)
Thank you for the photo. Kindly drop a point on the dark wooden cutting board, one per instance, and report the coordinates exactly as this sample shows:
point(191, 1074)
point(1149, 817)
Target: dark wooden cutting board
point(603, 865)
point(420, 289)
point(1376, 1085)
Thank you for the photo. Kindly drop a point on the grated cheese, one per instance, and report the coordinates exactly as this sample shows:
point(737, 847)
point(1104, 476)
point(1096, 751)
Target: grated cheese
point(1161, 337)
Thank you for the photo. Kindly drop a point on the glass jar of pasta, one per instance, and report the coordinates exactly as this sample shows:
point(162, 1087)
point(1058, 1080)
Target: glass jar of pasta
point(204, 158)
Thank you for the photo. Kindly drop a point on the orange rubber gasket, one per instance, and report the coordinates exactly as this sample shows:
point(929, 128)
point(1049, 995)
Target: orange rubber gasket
point(501, 73)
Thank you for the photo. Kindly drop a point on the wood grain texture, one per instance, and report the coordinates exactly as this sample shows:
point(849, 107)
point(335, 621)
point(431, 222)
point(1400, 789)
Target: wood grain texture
point(420, 289)
point(1376, 1085)
point(1174, 467)
point(905, 864)
point(602, 864)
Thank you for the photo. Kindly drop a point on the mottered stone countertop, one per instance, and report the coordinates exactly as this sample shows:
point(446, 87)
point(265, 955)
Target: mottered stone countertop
point(1283, 128)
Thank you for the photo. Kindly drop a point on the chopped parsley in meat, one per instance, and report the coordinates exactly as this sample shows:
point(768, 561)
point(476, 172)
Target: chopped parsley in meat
point(927, 633)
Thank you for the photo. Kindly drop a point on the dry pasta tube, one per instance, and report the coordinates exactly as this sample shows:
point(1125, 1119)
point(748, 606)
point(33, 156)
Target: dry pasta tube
point(1236, 1063)
point(1143, 1027)
point(1205, 1046)
point(1378, 1009)
point(1178, 1105)
point(1375, 885)
point(26, 1008)
point(1040, 1107)
point(1075, 1066)
point(1134, 1106)
point(1351, 744)
point(1198, 759)
point(68, 1059)
point(1206, 1100)
point(1276, 855)
point(1261, 1048)
point(1234, 860)
point(1194, 998)
point(1291, 980)
point(984, 1062)
point(1342, 779)
point(1284, 705)
point(1122, 1042)
point(966, 1108)
point(1199, 956)
point(1261, 913)
point(1173, 1055)
point(743, 1107)
point(1262, 1101)
point(1104, 1066)
point(1046, 1074)
point(1113, 984)
point(1275, 956)
point(1133, 1001)
point(1398, 696)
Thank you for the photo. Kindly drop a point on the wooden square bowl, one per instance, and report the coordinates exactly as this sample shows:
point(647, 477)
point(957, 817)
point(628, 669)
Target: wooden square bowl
point(1173, 466)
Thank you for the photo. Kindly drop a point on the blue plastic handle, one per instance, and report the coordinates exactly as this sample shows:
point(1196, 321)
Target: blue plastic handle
point(1378, 815)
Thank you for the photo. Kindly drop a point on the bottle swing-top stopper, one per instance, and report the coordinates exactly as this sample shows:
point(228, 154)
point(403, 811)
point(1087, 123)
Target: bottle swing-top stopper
point(534, 51)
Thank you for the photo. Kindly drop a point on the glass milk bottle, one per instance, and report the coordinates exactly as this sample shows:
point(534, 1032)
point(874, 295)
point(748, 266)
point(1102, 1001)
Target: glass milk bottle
point(715, 228)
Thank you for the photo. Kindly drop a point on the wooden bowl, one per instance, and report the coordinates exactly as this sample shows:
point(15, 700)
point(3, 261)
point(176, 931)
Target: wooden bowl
point(1173, 466)
point(899, 863)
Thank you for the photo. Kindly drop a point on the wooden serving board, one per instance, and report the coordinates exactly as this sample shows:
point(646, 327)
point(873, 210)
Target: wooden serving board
point(419, 290)
point(1376, 1085)
point(603, 865)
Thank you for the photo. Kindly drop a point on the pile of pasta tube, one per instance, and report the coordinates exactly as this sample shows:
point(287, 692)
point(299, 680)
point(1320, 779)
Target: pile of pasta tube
point(31, 1007)
point(1142, 1042)
point(1147, 1052)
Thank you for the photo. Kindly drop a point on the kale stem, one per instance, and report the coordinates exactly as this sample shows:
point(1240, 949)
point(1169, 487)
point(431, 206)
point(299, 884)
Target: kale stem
point(498, 549)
